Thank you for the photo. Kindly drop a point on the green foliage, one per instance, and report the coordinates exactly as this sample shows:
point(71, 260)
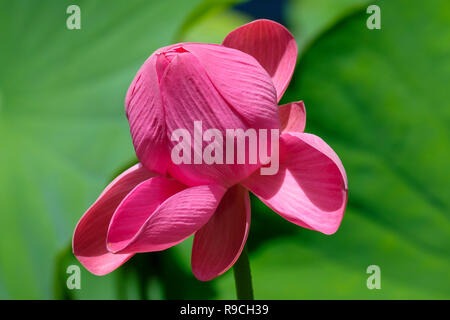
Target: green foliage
point(62, 123)
point(211, 10)
point(379, 98)
point(214, 28)
point(155, 275)
point(310, 18)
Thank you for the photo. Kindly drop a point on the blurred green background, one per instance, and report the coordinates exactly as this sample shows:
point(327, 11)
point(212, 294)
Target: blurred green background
point(378, 97)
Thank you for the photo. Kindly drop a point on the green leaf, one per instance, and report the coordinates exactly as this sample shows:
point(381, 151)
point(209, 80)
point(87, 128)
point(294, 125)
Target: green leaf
point(214, 27)
point(62, 123)
point(310, 18)
point(154, 275)
point(380, 99)
point(212, 11)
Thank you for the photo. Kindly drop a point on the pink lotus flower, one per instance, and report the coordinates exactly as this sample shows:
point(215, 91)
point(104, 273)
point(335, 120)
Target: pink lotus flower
point(157, 204)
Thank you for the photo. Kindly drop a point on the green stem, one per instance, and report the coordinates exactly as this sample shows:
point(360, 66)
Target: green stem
point(243, 277)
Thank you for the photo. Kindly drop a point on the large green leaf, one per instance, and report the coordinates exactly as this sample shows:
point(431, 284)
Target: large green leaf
point(62, 124)
point(380, 99)
point(310, 18)
point(209, 13)
point(214, 28)
point(155, 275)
point(64, 133)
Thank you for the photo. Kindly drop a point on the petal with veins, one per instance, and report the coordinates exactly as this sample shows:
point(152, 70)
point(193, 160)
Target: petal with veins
point(160, 213)
point(219, 243)
point(190, 96)
point(272, 45)
point(145, 113)
point(89, 239)
point(310, 188)
point(293, 117)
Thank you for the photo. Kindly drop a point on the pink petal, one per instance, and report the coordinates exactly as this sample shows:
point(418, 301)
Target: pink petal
point(241, 81)
point(89, 239)
point(272, 45)
point(310, 188)
point(145, 113)
point(160, 213)
point(224, 89)
point(136, 208)
point(219, 243)
point(293, 117)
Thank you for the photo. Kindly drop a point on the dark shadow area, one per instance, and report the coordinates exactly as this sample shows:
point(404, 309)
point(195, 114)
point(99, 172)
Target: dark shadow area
point(177, 282)
point(264, 9)
point(267, 225)
point(144, 269)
